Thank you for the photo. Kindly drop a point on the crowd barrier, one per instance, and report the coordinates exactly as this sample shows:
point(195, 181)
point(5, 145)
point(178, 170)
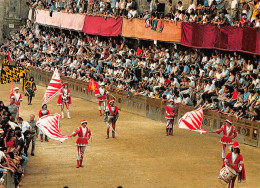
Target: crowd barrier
point(225, 38)
point(9, 181)
point(248, 131)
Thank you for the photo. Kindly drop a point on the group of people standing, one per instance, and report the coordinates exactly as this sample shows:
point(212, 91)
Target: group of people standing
point(233, 159)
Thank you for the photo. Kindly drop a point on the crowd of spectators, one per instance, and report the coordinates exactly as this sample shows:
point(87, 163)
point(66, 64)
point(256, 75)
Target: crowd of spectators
point(225, 82)
point(15, 138)
point(220, 12)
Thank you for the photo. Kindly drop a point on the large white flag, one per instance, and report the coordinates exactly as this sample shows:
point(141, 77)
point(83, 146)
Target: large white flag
point(50, 125)
point(192, 121)
point(53, 88)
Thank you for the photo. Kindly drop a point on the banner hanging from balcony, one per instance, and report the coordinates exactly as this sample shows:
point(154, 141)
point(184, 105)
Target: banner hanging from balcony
point(59, 19)
point(152, 30)
point(224, 38)
point(102, 26)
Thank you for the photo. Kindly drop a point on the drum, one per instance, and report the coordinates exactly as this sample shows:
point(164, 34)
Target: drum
point(227, 174)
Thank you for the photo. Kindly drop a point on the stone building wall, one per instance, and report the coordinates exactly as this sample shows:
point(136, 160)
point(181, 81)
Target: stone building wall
point(13, 14)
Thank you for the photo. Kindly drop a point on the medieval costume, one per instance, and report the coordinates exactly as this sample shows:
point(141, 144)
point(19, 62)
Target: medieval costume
point(170, 115)
point(64, 100)
point(30, 87)
point(84, 134)
point(229, 133)
point(101, 97)
point(110, 117)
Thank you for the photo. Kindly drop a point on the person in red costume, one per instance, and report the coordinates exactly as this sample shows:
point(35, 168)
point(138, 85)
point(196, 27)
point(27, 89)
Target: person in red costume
point(170, 115)
point(64, 100)
point(101, 97)
point(229, 133)
point(110, 117)
point(84, 134)
point(235, 160)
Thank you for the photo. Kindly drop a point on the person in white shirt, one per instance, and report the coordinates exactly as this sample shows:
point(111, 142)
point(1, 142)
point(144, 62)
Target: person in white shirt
point(180, 7)
point(204, 58)
point(191, 7)
point(234, 9)
point(24, 125)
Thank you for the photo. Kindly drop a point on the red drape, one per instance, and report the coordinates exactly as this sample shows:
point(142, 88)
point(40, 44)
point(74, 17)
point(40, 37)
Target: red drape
point(224, 38)
point(197, 35)
point(100, 26)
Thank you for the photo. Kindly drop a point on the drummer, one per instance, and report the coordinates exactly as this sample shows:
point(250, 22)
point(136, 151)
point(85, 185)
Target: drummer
point(235, 160)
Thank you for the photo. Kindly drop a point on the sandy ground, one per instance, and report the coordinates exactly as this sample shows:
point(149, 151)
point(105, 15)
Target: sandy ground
point(141, 155)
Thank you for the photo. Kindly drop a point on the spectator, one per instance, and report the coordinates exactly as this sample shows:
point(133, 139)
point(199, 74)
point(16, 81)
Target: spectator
point(34, 133)
point(19, 149)
point(10, 141)
point(13, 110)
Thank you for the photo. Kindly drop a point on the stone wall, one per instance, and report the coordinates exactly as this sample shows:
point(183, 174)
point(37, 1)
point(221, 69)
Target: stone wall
point(13, 14)
point(9, 180)
point(2, 10)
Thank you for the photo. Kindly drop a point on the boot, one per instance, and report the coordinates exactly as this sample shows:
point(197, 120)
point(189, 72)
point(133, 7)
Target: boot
point(46, 139)
point(113, 134)
point(171, 132)
point(41, 137)
point(30, 103)
point(68, 114)
point(107, 133)
point(166, 132)
point(100, 113)
point(81, 161)
point(77, 164)
point(62, 114)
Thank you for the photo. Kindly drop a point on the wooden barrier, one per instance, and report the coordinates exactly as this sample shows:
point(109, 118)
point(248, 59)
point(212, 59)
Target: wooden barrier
point(248, 131)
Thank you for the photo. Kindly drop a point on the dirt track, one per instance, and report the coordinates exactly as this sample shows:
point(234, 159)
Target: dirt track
point(141, 156)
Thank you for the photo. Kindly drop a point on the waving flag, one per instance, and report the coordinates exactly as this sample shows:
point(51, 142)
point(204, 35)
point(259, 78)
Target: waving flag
point(50, 125)
point(92, 85)
point(12, 87)
point(9, 57)
point(192, 121)
point(53, 88)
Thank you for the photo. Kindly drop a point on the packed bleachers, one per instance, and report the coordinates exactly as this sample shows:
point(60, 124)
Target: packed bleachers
point(224, 82)
point(219, 12)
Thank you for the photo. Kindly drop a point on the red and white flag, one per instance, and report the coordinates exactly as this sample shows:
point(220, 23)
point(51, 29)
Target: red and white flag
point(50, 125)
point(53, 88)
point(192, 121)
